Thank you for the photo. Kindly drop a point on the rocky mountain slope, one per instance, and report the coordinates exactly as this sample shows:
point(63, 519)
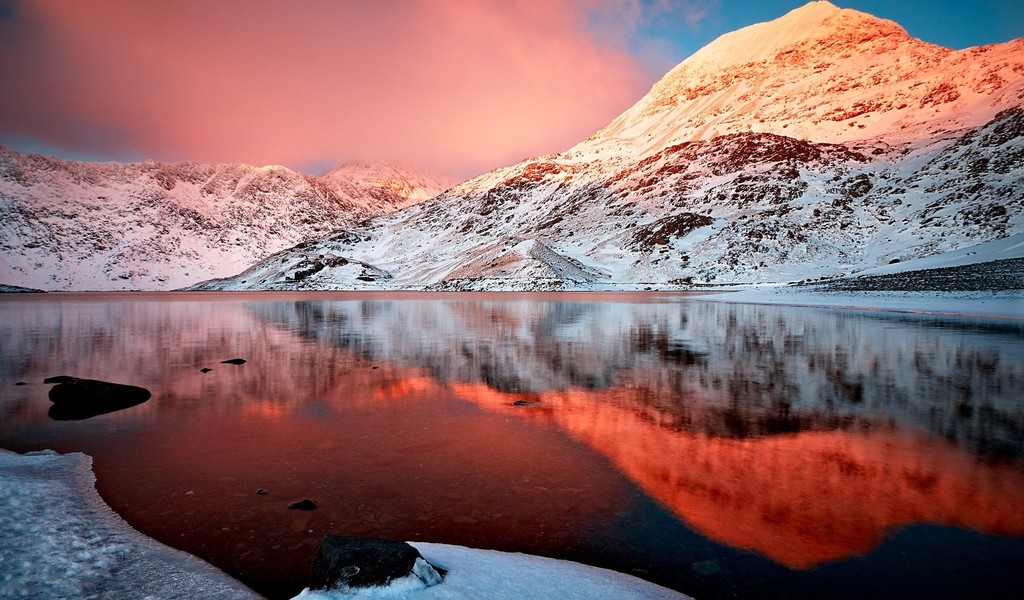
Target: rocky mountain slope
point(820, 144)
point(67, 225)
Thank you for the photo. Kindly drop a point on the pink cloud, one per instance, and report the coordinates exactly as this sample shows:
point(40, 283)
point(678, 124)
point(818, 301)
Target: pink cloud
point(459, 86)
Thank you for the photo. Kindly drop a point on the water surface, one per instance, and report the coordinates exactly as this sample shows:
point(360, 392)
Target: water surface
point(719, 449)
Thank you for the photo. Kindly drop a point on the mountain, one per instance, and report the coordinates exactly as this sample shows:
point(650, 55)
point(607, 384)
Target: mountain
point(817, 145)
point(67, 225)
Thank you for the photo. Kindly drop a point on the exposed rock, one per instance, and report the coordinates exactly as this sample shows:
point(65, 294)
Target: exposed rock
point(261, 492)
point(1006, 274)
point(306, 504)
point(234, 361)
point(366, 562)
point(20, 383)
point(205, 370)
point(17, 289)
point(76, 399)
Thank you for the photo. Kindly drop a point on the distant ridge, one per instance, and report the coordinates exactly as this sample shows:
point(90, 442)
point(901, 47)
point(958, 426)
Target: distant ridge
point(69, 225)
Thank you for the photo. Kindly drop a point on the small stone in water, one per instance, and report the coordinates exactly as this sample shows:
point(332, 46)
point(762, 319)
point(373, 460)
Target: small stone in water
point(234, 361)
point(205, 370)
point(707, 567)
point(306, 504)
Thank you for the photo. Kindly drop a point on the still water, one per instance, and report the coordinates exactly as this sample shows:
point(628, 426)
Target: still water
point(723, 450)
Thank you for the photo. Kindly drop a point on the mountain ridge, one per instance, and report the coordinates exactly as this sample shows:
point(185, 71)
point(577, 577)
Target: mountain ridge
point(824, 157)
point(74, 225)
point(823, 74)
point(839, 145)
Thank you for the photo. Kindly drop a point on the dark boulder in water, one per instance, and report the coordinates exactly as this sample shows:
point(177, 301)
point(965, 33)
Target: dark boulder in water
point(59, 379)
point(357, 562)
point(77, 399)
point(234, 361)
point(205, 370)
point(306, 504)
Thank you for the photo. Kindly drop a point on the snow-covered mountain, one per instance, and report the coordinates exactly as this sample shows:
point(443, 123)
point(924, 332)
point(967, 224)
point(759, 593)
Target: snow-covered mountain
point(823, 143)
point(67, 225)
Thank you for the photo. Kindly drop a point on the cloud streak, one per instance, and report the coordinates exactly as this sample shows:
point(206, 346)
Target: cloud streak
point(458, 86)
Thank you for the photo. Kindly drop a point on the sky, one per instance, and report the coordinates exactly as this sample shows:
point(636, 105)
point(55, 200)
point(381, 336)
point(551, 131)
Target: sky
point(457, 86)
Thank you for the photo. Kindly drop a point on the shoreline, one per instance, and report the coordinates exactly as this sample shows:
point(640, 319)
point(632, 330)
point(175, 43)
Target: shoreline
point(1008, 305)
point(61, 540)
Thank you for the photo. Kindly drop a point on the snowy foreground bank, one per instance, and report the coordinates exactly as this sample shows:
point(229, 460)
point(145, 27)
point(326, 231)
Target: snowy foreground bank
point(58, 539)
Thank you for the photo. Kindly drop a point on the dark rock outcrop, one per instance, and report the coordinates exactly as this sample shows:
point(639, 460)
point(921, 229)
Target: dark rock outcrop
point(306, 504)
point(367, 562)
point(233, 361)
point(75, 399)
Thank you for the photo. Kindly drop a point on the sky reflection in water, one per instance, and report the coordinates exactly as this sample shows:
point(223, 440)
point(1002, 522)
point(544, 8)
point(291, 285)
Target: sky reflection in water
point(772, 443)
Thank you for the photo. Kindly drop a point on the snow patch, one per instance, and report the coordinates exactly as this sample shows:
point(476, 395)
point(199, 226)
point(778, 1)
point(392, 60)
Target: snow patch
point(474, 574)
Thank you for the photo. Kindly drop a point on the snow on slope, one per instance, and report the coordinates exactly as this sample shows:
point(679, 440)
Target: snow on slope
point(821, 144)
point(387, 180)
point(824, 74)
point(74, 225)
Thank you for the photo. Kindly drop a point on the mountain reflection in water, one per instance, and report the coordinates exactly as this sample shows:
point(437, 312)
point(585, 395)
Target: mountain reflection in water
point(806, 436)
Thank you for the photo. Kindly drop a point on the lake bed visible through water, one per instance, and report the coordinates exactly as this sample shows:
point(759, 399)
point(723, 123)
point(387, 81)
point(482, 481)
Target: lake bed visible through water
point(723, 450)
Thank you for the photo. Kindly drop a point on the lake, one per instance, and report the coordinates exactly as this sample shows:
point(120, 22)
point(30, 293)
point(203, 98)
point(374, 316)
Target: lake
point(723, 450)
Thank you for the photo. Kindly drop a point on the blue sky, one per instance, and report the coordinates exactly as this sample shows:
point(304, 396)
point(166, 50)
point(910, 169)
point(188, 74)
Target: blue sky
point(952, 23)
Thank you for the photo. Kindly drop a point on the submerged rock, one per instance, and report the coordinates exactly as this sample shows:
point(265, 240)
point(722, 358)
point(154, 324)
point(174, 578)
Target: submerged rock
point(233, 361)
point(707, 567)
point(367, 562)
point(306, 504)
point(75, 399)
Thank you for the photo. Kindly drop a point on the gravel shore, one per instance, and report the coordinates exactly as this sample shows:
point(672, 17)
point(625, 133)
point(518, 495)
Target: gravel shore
point(996, 275)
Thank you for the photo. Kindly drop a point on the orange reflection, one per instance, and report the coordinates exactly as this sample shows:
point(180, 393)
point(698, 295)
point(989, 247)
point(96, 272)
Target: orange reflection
point(799, 499)
point(264, 409)
point(404, 387)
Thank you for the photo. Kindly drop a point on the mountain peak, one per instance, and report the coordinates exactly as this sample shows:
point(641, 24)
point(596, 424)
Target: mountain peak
point(402, 179)
point(819, 73)
point(813, 21)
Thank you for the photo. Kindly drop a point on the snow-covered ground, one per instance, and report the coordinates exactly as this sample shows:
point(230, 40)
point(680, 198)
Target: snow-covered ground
point(58, 539)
